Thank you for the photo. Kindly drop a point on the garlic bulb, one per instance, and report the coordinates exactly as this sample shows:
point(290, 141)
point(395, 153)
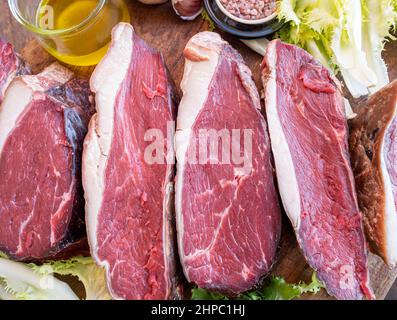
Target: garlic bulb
point(187, 9)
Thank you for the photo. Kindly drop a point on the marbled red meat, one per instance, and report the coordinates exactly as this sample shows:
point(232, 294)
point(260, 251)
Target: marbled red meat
point(228, 215)
point(10, 66)
point(129, 198)
point(41, 140)
point(308, 132)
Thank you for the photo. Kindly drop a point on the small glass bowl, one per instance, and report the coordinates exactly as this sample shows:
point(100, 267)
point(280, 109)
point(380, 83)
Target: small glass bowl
point(83, 44)
point(241, 28)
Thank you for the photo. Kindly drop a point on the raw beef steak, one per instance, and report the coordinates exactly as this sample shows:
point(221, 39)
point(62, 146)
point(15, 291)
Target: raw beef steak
point(129, 196)
point(308, 132)
point(228, 215)
point(43, 121)
point(10, 66)
point(373, 148)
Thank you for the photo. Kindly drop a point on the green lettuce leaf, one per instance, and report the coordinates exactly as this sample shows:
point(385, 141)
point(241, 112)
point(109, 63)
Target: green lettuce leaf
point(276, 289)
point(380, 17)
point(202, 294)
point(286, 11)
point(85, 269)
point(20, 282)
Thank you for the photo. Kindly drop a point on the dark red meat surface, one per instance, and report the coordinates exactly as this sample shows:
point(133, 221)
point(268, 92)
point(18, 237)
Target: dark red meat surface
point(231, 215)
point(41, 196)
point(135, 215)
point(312, 115)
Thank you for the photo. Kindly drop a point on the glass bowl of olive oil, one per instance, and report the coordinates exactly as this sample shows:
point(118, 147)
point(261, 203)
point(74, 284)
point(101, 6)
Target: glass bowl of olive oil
point(77, 32)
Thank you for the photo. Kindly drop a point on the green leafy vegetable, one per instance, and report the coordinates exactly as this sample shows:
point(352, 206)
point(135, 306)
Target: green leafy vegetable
point(347, 36)
point(19, 281)
point(202, 294)
point(85, 269)
point(276, 289)
point(379, 17)
point(206, 17)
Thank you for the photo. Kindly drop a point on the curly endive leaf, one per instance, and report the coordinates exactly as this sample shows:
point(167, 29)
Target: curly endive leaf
point(276, 289)
point(85, 269)
point(20, 282)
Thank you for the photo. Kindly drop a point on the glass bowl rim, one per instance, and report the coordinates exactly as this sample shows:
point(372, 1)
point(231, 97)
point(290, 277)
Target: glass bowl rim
point(221, 21)
point(245, 21)
point(33, 28)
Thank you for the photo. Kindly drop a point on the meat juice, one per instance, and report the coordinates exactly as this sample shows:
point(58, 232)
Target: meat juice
point(79, 30)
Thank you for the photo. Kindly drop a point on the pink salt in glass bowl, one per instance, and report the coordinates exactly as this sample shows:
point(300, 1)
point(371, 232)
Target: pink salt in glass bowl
point(241, 28)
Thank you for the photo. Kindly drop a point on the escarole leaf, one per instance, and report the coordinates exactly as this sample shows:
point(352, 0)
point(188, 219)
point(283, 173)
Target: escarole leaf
point(380, 16)
point(4, 294)
point(258, 45)
point(279, 289)
point(316, 49)
point(20, 282)
point(85, 269)
point(346, 36)
point(348, 54)
point(313, 37)
point(323, 16)
point(286, 11)
point(276, 289)
point(202, 294)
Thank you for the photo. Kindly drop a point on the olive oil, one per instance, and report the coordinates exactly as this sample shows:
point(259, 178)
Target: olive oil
point(79, 31)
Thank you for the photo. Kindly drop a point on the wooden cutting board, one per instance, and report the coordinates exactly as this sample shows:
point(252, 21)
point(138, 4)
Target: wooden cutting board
point(162, 29)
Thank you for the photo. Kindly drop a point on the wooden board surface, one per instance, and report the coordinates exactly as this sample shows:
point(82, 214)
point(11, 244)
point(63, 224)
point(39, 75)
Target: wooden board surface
point(162, 29)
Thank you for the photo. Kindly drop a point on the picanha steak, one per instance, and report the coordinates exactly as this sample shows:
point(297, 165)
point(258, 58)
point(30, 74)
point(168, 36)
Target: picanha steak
point(128, 194)
point(228, 215)
point(10, 66)
point(373, 147)
point(308, 133)
point(43, 121)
